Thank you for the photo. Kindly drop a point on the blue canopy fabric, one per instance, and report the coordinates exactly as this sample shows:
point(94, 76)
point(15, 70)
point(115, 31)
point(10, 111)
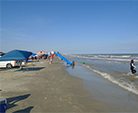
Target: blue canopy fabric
point(15, 55)
point(33, 54)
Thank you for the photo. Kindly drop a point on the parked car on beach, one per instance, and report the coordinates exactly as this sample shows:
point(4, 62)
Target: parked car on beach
point(9, 64)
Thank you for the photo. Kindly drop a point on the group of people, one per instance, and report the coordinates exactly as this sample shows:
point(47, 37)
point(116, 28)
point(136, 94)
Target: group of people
point(49, 55)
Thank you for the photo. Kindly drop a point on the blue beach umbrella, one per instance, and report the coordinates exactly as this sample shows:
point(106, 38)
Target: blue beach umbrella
point(15, 55)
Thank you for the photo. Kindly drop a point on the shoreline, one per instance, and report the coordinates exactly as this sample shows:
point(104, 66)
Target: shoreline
point(46, 88)
point(115, 98)
point(56, 87)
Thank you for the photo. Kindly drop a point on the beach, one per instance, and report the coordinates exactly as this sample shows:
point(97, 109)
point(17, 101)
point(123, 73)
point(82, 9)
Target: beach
point(44, 88)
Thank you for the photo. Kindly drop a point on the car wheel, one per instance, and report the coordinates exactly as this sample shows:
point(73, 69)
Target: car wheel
point(9, 66)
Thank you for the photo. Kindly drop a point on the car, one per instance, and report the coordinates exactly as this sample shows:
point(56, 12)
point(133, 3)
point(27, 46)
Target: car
point(9, 64)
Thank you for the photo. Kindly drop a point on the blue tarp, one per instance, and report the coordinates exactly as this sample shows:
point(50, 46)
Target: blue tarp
point(63, 58)
point(15, 55)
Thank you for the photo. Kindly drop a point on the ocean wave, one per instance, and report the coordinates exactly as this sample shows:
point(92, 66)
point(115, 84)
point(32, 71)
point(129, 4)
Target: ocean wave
point(104, 55)
point(123, 58)
point(132, 87)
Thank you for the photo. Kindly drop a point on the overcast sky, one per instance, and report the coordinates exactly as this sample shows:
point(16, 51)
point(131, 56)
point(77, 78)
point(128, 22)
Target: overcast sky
point(71, 27)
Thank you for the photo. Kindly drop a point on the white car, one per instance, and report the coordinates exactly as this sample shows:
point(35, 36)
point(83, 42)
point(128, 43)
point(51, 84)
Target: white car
point(9, 64)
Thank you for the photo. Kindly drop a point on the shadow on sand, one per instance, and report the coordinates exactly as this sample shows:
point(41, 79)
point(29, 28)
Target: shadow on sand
point(26, 110)
point(29, 69)
point(12, 102)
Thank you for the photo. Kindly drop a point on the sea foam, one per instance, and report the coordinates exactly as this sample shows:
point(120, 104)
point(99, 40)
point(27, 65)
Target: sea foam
point(128, 86)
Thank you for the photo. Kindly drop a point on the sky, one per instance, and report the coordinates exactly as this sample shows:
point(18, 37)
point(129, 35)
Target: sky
point(69, 26)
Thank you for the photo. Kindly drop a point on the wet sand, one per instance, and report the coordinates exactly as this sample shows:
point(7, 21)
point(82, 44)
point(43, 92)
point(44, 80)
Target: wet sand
point(115, 98)
point(46, 87)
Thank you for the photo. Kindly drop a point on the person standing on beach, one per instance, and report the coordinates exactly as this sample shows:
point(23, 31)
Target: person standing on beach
point(52, 56)
point(132, 67)
point(49, 55)
point(20, 64)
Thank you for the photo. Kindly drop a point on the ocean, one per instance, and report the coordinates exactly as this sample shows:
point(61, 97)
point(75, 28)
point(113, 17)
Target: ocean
point(113, 67)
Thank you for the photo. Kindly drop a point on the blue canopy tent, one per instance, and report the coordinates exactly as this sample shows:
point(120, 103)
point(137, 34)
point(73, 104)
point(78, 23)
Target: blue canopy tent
point(15, 55)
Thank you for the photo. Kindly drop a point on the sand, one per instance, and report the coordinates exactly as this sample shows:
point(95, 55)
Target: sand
point(57, 88)
point(45, 87)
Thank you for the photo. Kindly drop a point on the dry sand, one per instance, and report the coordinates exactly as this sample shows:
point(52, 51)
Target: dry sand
point(45, 87)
